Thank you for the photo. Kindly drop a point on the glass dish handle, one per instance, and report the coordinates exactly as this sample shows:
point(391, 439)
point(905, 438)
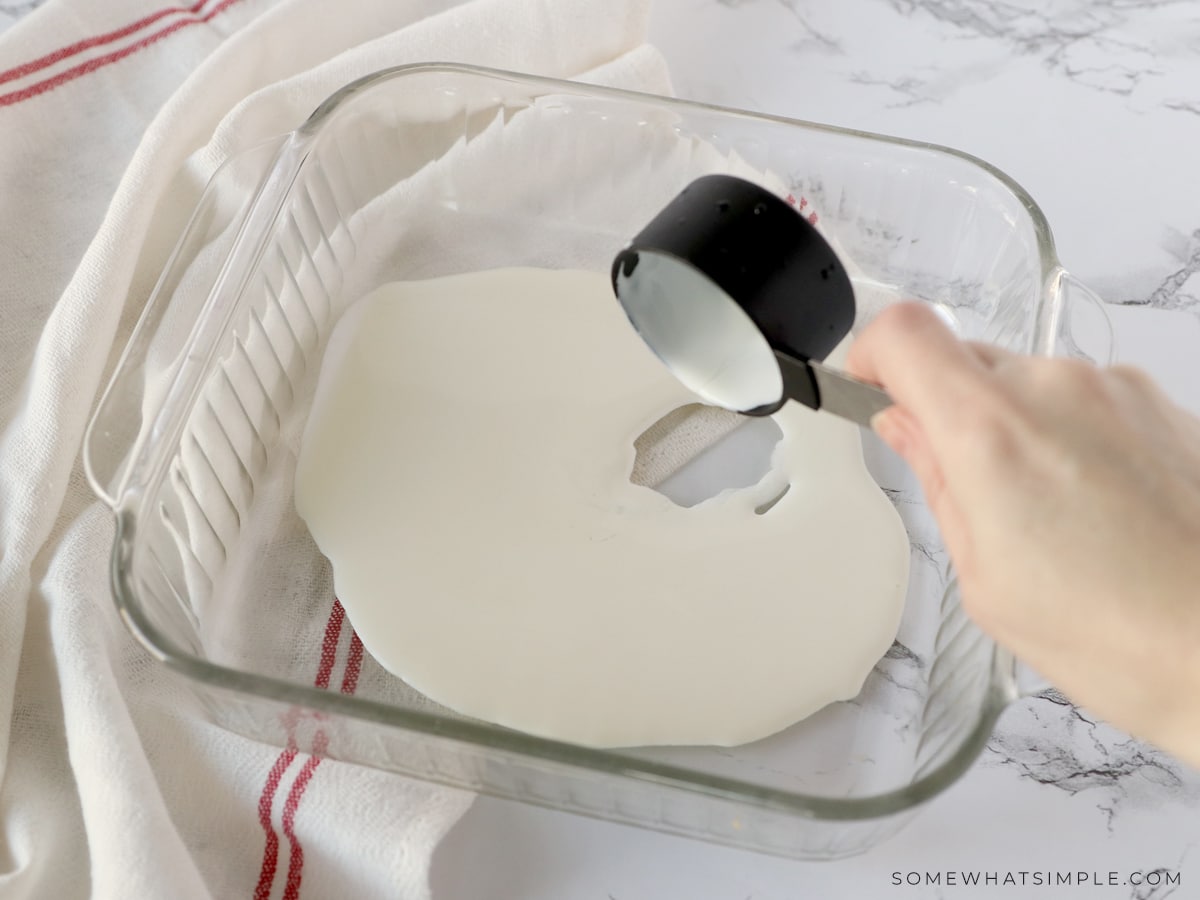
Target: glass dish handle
point(130, 403)
point(1081, 327)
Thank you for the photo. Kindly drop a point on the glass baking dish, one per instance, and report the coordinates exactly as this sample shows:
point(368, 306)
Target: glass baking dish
point(428, 170)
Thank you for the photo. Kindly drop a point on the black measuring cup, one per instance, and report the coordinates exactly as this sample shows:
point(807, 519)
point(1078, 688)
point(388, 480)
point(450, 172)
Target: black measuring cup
point(743, 299)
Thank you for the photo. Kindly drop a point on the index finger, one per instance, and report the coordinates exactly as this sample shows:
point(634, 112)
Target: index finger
point(928, 371)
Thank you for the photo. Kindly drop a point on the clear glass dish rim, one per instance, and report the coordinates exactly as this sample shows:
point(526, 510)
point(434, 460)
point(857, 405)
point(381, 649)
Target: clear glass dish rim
point(1002, 687)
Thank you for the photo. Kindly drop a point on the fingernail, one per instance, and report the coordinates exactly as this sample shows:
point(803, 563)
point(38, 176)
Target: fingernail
point(890, 428)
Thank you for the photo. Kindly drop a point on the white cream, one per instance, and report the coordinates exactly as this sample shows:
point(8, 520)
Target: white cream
point(466, 468)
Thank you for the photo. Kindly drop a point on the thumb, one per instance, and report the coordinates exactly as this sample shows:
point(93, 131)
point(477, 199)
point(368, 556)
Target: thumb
point(898, 429)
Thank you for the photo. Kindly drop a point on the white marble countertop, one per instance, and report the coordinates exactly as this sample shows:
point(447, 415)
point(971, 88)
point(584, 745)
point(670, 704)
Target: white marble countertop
point(1093, 106)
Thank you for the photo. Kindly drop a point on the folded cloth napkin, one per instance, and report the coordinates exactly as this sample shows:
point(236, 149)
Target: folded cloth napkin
point(112, 117)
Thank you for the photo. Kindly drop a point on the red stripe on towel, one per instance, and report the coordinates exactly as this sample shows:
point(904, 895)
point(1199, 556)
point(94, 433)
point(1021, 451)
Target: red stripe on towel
point(108, 59)
point(325, 665)
point(353, 664)
point(98, 40)
point(266, 873)
point(295, 872)
point(333, 631)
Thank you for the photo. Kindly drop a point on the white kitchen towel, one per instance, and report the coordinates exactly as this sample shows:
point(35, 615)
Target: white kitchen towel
point(112, 117)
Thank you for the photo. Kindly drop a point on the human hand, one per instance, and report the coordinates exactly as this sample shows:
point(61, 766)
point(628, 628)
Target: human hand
point(1069, 500)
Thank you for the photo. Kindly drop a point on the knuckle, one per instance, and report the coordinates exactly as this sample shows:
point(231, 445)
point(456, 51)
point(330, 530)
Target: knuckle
point(1070, 381)
point(1132, 376)
point(902, 316)
point(1079, 375)
point(879, 346)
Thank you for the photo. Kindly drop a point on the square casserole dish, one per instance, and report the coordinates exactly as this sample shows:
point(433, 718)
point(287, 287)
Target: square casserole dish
point(429, 170)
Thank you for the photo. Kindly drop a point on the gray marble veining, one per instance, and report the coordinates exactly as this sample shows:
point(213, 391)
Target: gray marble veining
point(1052, 742)
point(1180, 289)
point(1142, 52)
point(1064, 35)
